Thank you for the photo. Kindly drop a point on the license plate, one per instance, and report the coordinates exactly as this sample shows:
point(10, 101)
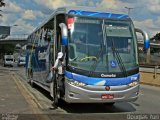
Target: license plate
point(107, 96)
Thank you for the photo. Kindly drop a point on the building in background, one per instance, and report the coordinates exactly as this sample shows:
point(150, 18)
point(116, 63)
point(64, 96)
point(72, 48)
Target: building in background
point(4, 31)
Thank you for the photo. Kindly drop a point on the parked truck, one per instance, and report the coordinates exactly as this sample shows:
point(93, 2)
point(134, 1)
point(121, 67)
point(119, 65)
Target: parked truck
point(8, 60)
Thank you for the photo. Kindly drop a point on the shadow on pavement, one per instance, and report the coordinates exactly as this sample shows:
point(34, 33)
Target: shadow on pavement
point(91, 107)
point(97, 108)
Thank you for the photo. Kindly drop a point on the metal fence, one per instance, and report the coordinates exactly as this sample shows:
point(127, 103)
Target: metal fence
point(154, 59)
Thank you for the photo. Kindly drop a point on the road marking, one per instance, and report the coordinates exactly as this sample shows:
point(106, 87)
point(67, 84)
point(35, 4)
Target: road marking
point(30, 99)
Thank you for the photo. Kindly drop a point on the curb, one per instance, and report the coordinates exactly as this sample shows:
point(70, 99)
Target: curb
point(21, 82)
point(151, 84)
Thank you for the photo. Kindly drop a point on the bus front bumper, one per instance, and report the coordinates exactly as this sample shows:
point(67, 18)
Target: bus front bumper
point(93, 94)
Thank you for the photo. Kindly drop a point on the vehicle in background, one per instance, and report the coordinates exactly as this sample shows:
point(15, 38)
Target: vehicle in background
point(21, 61)
point(8, 60)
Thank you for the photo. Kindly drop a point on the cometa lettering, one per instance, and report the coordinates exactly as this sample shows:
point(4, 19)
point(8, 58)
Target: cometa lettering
point(111, 76)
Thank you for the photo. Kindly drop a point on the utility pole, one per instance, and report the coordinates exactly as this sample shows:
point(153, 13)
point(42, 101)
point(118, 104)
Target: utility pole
point(129, 10)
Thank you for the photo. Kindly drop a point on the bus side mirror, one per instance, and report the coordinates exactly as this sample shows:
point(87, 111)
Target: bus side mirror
point(146, 38)
point(64, 33)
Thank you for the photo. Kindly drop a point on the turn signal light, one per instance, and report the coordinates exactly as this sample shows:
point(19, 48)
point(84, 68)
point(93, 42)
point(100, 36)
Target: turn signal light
point(133, 84)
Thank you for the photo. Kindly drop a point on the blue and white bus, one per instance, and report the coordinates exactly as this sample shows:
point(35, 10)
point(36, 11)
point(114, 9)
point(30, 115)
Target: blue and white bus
point(101, 55)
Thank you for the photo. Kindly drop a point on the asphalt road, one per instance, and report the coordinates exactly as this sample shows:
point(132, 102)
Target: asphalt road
point(147, 107)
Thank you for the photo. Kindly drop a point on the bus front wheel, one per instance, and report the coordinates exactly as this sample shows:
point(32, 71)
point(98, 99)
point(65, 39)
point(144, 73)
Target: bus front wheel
point(110, 104)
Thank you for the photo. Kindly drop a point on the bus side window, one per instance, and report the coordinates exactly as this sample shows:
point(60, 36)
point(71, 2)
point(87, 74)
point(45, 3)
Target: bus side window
point(52, 37)
point(72, 49)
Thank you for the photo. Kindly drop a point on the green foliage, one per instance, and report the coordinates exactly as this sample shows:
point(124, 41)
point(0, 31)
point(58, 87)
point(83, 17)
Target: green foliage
point(156, 37)
point(7, 49)
point(2, 3)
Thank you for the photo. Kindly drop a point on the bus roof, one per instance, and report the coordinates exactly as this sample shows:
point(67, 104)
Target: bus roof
point(91, 11)
point(86, 11)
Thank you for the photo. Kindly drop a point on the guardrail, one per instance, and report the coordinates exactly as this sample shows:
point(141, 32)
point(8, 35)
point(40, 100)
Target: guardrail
point(154, 69)
point(149, 65)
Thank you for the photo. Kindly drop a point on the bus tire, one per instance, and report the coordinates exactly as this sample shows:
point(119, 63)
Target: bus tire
point(110, 104)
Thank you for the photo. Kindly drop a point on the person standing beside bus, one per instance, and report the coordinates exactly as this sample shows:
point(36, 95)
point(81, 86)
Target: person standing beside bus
point(59, 68)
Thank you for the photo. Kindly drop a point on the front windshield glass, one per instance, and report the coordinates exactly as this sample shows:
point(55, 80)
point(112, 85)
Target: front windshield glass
point(91, 44)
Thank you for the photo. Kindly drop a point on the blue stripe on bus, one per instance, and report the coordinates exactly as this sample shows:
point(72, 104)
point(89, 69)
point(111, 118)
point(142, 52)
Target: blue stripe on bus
point(64, 40)
point(98, 14)
point(122, 16)
point(110, 14)
point(146, 44)
point(102, 81)
point(94, 14)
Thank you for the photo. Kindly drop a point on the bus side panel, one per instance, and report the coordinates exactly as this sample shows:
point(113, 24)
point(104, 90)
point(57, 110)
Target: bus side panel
point(40, 64)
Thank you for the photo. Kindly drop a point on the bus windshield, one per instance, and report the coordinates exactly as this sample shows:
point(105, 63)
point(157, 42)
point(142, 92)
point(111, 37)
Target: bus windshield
point(92, 43)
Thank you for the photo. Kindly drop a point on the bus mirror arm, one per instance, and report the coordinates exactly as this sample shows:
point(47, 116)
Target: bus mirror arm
point(146, 38)
point(64, 33)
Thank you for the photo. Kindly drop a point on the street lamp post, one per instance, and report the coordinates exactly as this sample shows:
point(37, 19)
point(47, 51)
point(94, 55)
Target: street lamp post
point(129, 10)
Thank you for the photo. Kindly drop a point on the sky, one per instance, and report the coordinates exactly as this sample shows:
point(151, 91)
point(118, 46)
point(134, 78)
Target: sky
point(29, 14)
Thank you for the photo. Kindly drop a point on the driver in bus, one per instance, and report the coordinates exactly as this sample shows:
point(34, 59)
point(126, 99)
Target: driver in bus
point(59, 68)
point(81, 39)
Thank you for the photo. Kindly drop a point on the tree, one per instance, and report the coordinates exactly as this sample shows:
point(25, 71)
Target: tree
point(156, 37)
point(6, 49)
point(2, 4)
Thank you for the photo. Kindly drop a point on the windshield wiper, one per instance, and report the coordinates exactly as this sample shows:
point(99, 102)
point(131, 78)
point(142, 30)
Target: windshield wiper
point(94, 65)
point(119, 59)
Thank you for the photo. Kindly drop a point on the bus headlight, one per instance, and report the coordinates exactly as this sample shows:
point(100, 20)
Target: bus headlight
point(77, 83)
point(132, 84)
